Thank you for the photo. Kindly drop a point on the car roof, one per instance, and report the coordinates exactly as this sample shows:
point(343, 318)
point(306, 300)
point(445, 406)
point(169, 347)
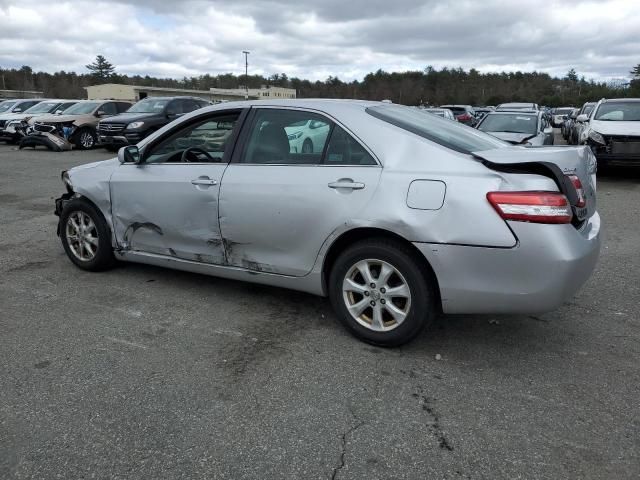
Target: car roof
point(511, 104)
point(173, 98)
point(620, 100)
point(327, 105)
point(514, 112)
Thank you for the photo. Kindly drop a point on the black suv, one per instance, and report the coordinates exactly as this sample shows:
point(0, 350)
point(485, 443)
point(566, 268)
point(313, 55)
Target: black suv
point(144, 118)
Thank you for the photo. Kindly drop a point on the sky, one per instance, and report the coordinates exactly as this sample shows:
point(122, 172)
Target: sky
point(321, 38)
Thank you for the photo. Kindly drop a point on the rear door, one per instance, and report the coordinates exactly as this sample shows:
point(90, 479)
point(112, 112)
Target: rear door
point(279, 202)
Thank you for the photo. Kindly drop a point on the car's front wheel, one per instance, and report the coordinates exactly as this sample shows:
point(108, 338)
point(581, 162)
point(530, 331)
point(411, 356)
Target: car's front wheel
point(85, 236)
point(380, 292)
point(86, 139)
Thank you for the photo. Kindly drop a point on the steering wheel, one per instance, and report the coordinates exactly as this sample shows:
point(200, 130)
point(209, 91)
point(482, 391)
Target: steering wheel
point(196, 150)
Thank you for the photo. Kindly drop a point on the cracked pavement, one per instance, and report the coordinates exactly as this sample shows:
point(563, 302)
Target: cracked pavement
point(141, 372)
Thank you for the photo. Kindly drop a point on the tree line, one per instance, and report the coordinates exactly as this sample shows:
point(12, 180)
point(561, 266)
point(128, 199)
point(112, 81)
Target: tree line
point(427, 87)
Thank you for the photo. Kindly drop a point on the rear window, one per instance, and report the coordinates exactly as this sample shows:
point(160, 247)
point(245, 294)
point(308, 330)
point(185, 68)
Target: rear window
point(439, 130)
point(498, 122)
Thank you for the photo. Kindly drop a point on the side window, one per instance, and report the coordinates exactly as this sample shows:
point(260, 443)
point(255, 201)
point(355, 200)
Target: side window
point(174, 107)
point(190, 106)
point(109, 108)
point(123, 107)
point(206, 141)
point(345, 150)
point(286, 137)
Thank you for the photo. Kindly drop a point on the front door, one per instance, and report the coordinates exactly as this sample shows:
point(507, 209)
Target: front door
point(296, 180)
point(168, 204)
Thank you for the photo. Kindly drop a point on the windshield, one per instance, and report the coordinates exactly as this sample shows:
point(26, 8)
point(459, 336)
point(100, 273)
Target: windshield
point(619, 112)
point(563, 111)
point(444, 132)
point(495, 122)
point(149, 105)
point(81, 108)
point(43, 107)
point(5, 106)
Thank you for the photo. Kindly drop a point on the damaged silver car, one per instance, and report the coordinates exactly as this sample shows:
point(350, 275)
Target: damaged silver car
point(394, 215)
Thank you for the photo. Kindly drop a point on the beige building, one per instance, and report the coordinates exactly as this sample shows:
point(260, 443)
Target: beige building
point(133, 93)
point(262, 93)
point(4, 94)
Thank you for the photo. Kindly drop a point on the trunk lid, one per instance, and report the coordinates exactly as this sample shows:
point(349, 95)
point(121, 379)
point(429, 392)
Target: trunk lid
point(556, 163)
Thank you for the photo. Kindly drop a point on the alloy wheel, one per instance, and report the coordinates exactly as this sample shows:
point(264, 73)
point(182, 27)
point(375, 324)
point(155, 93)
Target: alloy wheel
point(86, 139)
point(82, 236)
point(376, 295)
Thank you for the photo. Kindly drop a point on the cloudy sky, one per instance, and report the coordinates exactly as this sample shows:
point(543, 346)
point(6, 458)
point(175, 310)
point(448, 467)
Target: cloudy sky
point(317, 38)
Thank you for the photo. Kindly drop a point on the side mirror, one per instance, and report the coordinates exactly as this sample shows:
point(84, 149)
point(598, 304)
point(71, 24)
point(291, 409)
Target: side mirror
point(100, 113)
point(582, 118)
point(17, 110)
point(129, 154)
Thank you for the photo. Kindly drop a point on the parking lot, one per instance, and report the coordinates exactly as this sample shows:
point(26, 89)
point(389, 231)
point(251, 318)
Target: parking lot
point(141, 372)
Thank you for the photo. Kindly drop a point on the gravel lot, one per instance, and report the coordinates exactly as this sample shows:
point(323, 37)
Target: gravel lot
point(142, 372)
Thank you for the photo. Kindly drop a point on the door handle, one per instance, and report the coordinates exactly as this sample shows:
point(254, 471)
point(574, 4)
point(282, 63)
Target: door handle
point(204, 181)
point(347, 184)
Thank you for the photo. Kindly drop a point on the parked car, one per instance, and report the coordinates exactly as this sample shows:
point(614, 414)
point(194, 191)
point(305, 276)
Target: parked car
point(577, 126)
point(613, 132)
point(463, 113)
point(518, 128)
point(441, 112)
point(79, 122)
point(14, 125)
point(402, 215)
point(518, 106)
point(568, 122)
point(480, 112)
point(16, 106)
point(144, 118)
point(307, 136)
point(559, 115)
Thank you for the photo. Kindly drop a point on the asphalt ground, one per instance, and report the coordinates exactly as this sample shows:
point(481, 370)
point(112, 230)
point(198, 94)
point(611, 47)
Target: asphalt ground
point(146, 373)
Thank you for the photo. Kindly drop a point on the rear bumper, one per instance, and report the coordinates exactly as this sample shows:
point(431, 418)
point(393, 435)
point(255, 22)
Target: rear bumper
point(546, 268)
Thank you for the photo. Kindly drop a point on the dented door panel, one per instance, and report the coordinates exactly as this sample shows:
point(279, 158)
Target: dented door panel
point(168, 209)
point(275, 218)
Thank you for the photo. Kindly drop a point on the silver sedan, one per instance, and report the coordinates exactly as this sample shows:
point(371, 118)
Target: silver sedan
point(395, 216)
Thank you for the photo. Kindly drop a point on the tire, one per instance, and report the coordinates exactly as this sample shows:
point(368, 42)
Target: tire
point(307, 146)
point(98, 236)
point(86, 139)
point(418, 309)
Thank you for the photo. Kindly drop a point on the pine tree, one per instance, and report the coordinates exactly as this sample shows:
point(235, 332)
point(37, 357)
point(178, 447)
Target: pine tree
point(636, 71)
point(101, 69)
point(572, 76)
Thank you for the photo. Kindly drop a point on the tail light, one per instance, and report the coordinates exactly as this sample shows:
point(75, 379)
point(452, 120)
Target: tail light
point(578, 184)
point(534, 207)
point(464, 117)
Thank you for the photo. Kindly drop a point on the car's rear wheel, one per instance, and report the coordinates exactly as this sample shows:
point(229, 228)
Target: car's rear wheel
point(85, 236)
point(380, 292)
point(86, 139)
